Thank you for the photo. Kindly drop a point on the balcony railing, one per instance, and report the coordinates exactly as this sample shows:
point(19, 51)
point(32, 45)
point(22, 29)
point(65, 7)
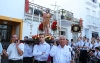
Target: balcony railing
point(92, 20)
point(93, 3)
point(36, 10)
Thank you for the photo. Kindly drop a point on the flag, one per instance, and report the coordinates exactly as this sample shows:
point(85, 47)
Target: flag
point(26, 5)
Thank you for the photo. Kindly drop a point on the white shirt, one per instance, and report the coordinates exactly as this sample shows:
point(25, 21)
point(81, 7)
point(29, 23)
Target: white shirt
point(39, 49)
point(92, 46)
point(97, 55)
point(28, 50)
point(97, 44)
point(13, 53)
point(82, 43)
point(60, 55)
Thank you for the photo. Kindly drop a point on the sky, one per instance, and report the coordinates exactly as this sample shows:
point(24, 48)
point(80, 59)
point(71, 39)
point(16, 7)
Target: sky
point(47, 3)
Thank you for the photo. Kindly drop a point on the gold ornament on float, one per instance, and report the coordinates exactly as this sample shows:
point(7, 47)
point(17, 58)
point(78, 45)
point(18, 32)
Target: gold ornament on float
point(76, 28)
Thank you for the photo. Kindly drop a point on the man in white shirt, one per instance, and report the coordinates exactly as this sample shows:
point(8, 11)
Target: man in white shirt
point(15, 51)
point(41, 51)
point(61, 53)
point(84, 46)
point(97, 44)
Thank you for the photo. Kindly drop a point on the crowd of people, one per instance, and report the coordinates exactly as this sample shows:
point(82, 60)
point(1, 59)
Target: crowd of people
point(61, 51)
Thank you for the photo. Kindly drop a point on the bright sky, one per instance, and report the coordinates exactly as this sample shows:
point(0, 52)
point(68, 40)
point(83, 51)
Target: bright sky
point(47, 3)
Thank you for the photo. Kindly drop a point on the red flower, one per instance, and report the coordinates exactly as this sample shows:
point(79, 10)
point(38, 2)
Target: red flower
point(40, 26)
point(54, 26)
point(55, 22)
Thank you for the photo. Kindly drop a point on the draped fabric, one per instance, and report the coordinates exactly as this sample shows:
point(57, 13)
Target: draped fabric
point(26, 6)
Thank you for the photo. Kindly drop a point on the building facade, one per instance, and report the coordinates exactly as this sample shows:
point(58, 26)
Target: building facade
point(14, 19)
point(89, 11)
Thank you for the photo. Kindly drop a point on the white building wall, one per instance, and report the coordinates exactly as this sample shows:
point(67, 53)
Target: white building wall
point(27, 30)
point(12, 8)
point(15, 9)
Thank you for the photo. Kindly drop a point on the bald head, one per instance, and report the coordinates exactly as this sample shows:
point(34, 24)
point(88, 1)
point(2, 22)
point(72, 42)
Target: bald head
point(62, 41)
point(62, 37)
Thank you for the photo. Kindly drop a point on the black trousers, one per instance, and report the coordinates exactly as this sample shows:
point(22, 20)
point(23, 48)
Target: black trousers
point(28, 60)
point(83, 56)
point(15, 61)
point(51, 59)
point(35, 61)
point(98, 61)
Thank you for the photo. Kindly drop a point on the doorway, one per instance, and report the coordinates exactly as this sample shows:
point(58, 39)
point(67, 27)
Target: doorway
point(5, 34)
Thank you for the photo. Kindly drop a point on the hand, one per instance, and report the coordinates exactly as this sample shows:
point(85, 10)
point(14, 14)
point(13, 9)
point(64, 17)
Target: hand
point(55, 44)
point(72, 61)
point(17, 43)
point(80, 46)
point(4, 51)
point(85, 46)
point(43, 53)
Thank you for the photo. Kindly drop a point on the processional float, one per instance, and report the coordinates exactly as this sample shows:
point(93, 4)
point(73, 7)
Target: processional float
point(45, 26)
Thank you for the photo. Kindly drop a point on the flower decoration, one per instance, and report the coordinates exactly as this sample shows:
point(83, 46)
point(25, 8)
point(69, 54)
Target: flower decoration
point(35, 38)
point(49, 38)
point(40, 26)
point(54, 26)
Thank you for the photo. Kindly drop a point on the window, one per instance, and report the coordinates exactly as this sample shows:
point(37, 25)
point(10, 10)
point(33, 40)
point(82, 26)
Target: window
point(62, 33)
point(95, 34)
point(87, 11)
point(93, 13)
point(75, 36)
point(5, 33)
point(94, 1)
point(88, 15)
point(99, 14)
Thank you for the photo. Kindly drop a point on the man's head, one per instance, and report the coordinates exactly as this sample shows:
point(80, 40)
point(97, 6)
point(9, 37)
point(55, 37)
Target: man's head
point(47, 10)
point(97, 49)
point(72, 40)
point(87, 39)
point(84, 38)
point(42, 37)
point(93, 38)
point(98, 40)
point(67, 41)
point(14, 37)
point(26, 38)
point(62, 41)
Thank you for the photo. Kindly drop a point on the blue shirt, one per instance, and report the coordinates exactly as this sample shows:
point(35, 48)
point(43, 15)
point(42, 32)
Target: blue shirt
point(1, 48)
point(28, 50)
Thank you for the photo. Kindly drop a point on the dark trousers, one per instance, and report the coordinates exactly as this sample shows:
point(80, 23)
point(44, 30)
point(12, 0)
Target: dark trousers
point(51, 59)
point(98, 61)
point(35, 61)
point(28, 60)
point(15, 61)
point(83, 56)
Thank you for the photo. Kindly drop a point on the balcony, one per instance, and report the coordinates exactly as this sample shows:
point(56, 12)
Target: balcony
point(92, 21)
point(92, 3)
point(35, 14)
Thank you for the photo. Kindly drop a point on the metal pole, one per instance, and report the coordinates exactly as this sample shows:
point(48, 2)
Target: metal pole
point(31, 25)
point(57, 20)
point(60, 23)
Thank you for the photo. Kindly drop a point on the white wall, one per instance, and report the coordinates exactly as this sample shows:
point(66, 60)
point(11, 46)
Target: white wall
point(26, 29)
point(12, 8)
point(17, 31)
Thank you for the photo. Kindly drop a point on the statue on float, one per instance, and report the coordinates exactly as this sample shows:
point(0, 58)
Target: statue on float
point(46, 21)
